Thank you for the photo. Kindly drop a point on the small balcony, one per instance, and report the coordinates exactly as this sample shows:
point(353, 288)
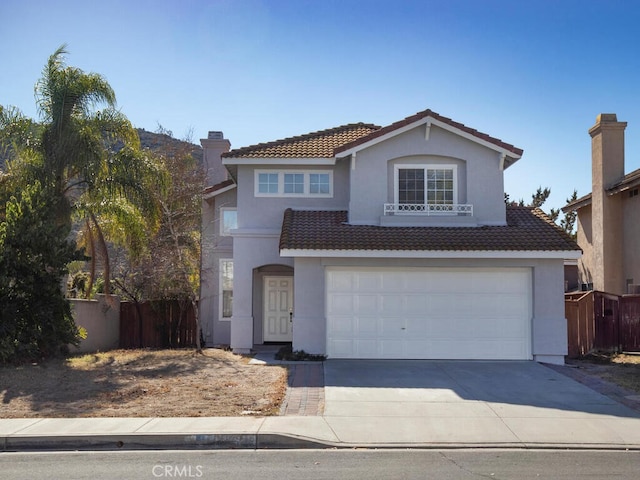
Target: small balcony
point(429, 209)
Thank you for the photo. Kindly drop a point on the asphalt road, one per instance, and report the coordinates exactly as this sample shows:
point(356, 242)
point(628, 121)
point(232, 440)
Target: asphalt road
point(323, 464)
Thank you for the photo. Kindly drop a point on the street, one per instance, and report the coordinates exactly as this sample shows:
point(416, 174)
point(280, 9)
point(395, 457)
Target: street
point(323, 464)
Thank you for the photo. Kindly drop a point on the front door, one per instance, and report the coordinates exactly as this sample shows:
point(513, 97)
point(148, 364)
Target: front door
point(278, 309)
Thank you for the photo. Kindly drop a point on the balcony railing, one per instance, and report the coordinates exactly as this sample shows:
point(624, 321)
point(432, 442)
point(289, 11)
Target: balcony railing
point(452, 209)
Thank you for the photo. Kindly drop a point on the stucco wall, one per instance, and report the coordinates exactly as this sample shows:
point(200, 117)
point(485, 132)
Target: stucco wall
point(101, 319)
point(267, 212)
point(631, 231)
point(480, 180)
point(549, 333)
point(585, 240)
point(214, 247)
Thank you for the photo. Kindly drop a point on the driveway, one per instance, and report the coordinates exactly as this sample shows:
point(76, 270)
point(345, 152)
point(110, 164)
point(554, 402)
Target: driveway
point(470, 403)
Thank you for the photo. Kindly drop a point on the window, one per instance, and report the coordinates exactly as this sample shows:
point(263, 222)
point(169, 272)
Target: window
point(633, 193)
point(293, 184)
point(268, 183)
point(411, 185)
point(228, 221)
point(226, 289)
point(421, 185)
point(319, 183)
point(440, 186)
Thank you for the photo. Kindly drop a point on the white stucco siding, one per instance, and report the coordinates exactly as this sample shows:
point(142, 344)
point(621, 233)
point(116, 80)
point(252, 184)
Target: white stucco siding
point(484, 184)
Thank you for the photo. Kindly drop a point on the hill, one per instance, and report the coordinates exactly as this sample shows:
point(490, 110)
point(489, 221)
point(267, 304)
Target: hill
point(152, 141)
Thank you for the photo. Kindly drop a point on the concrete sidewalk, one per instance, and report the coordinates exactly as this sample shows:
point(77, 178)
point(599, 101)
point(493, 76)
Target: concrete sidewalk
point(449, 414)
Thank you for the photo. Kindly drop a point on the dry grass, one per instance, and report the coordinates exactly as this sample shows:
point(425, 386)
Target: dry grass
point(621, 369)
point(142, 383)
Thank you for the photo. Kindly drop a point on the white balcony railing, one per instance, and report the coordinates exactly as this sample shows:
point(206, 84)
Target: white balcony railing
point(428, 209)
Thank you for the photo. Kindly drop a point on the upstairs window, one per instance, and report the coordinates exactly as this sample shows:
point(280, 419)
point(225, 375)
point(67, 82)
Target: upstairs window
point(268, 183)
point(425, 185)
point(294, 183)
point(319, 183)
point(299, 183)
point(440, 188)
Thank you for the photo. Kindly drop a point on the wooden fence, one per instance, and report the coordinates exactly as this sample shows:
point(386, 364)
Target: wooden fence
point(161, 324)
point(603, 322)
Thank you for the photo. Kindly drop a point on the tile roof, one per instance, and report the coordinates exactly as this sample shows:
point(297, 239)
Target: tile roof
point(218, 186)
point(430, 113)
point(316, 144)
point(527, 229)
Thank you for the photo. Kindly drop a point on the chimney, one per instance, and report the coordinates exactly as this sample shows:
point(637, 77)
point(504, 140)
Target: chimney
point(214, 146)
point(607, 168)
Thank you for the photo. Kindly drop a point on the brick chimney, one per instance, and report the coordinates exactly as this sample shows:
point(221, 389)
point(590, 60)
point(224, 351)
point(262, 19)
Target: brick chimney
point(214, 146)
point(607, 168)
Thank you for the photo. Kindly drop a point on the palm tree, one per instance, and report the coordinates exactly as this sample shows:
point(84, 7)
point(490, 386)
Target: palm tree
point(91, 157)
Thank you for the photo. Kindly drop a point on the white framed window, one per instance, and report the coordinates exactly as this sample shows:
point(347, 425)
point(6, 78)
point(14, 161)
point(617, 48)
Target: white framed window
point(228, 221)
point(426, 185)
point(226, 289)
point(297, 183)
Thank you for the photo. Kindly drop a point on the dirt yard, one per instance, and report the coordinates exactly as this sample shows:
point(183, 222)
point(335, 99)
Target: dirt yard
point(142, 383)
point(623, 370)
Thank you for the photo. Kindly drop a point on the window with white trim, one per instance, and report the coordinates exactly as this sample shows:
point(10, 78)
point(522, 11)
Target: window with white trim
point(298, 183)
point(426, 184)
point(228, 221)
point(226, 289)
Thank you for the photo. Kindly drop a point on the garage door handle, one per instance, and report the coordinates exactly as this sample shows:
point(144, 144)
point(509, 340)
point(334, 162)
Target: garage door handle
point(403, 328)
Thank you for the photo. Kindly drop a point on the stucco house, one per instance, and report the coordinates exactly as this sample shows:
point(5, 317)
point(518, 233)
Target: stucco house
point(608, 220)
point(379, 242)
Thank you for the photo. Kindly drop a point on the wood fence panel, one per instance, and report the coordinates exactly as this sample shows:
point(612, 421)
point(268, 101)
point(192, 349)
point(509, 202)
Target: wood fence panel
point(161, 324)
point(606, 315)
point(630, 323)
point(580, 323)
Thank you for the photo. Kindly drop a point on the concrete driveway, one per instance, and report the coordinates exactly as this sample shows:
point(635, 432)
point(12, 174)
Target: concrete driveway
point(470, 403)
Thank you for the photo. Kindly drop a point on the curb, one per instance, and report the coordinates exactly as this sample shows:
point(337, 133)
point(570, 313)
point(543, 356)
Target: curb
point(252, 441)
point(222, 441)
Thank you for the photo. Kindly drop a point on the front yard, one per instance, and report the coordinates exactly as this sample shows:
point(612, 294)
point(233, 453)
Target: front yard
point(142, 383)
point(620, 369)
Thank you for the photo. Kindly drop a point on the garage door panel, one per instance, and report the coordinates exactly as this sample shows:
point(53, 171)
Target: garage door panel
point(366, 327)
point(366, 304)
point(429, 313)
point(340, 304)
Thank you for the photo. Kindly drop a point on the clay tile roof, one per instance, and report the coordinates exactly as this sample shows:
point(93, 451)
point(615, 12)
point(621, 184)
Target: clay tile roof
point(218, 186)
point(316, 144)
point(437, 116)
point(527, 229)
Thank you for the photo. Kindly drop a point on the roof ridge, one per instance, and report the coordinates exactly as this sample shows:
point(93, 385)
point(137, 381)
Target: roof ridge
point(426, 113)
point(303, 137)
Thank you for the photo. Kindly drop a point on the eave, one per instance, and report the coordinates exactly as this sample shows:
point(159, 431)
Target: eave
point(498, 254)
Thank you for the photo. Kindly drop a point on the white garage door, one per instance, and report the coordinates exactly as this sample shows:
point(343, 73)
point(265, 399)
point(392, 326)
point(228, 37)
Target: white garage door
point(429, 313)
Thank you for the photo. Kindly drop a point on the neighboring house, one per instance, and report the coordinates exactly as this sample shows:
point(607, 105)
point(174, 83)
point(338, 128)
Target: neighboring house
point(608, 224)
point(369, 242)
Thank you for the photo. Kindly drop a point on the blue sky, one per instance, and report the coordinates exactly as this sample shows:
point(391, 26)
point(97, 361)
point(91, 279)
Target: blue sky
point(533, 73)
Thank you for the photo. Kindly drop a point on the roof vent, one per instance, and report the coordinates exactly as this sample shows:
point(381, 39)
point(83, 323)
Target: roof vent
point(216, 135)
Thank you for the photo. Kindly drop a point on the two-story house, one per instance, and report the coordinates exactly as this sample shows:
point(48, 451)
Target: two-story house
point(608, 218)
point(379, 242)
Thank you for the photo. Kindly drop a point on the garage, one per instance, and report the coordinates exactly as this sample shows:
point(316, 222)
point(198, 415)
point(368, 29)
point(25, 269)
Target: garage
point(429, 313)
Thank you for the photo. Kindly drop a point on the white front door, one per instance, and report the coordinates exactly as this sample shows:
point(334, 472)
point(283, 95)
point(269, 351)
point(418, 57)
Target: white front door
point(278, 309)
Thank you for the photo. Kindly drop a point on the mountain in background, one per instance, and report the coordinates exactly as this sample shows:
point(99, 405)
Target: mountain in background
point(155, 141)
point(152, 141)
